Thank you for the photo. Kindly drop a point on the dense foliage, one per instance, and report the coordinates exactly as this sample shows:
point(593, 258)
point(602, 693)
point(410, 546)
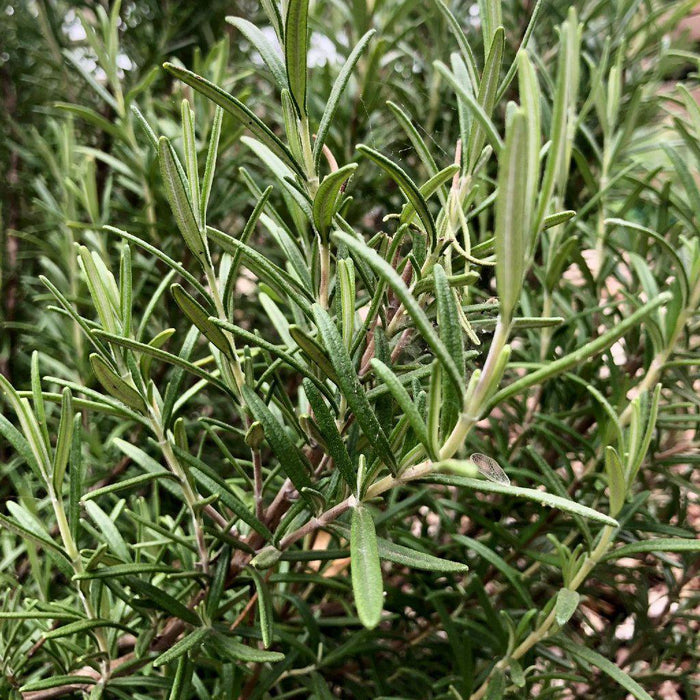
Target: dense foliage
point(352, 353)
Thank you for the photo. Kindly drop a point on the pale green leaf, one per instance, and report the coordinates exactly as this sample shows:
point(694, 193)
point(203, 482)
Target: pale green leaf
point(366, 571)
point(542, 497)
point(565, 607)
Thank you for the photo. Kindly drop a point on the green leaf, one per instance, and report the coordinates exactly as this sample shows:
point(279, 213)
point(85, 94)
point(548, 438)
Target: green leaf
point(134, 482)
point(510, 235)
point(496, 686)
point(616, 480)
point(336, 92)
point(245, 236)
point(90, 116)
point(512, 575)
point(115, 385)
point(238, 110)
point(345, 270)
point(154, 597)
point(405, 556)
point(68, 308)
point(641, 452)
point(662, 544)
point(560, 217)
point(291, 461)
point(272, 11)
point(28, 520)
point(284, 175)
point(565, 607)
point(126, 291)
point(329, 430)
point(181, 687)
point(295, 49)
point(210, 164)
point(264, 605)
point(63, 441)
point(488, 88)
point(280, 280)
point(684, 175)
point(99, 288)
point(350, 386)
point(82, 626)
point(161, 355)
point(415, 138)
point(210, 479)
point(257, 341)
point(218, 583)
point(595, 659)
point(398, 554)
point(452, 336)
point(156, 252)
point(156, 342)
point(483, 124)
point(292, 124)
point(427, 189)
point(387, 272)
point(119, 570)
point(31, 533)
point(408, 187)
point(264, 47)
point(565, 97)
point(180, 204)
point(235, 651)
point(36, 615)
point(109, 530)
point(326, 199)
point(435, 404)
point(266, 558)
point(314, 351)
point(585, 352)
point(75, 477)
point(38, 399)
point(530, 99)
point(198, 315)
point(406, 404)
point(491, 20)
point(19, 443)
point(544, 498)
point(57, 682)
point(190, 150)
point(367, 585)
point(188, 643)
point(466, 52)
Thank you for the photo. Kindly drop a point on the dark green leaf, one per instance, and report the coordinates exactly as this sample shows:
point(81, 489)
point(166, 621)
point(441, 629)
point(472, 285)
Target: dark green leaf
point(408, 187)
point(187, 644)
point(336, 92)
point(295, 48)
point(329, 431)
point(326, 200)
point(291, 460)
point(350, 386)
point(387, 272)
point(238, 110)
point(199, 316)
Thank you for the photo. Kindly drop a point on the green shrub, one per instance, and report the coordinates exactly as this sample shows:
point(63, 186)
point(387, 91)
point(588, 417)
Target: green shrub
point(375, 378)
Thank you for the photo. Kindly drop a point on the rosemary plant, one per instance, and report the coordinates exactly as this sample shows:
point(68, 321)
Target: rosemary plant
point(365, 359)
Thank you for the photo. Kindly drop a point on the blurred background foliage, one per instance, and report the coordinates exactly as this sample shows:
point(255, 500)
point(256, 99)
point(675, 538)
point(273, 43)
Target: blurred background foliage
point(74, 158)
